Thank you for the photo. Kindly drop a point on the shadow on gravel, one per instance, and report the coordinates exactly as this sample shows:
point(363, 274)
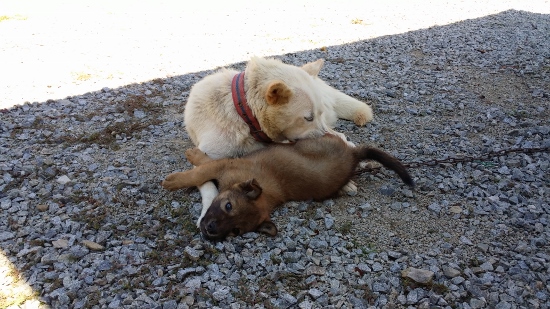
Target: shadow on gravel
point(88, 226)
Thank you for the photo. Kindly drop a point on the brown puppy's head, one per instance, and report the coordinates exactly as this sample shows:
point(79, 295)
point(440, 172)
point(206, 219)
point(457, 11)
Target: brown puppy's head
point(237, 211)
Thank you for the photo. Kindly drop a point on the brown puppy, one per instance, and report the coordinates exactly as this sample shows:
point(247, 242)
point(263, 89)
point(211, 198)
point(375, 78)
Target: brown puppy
point(252, 186)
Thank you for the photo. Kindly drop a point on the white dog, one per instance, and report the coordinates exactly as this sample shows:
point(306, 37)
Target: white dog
point(231, 113)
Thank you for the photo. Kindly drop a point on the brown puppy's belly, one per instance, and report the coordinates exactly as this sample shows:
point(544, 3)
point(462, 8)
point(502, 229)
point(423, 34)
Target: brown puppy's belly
point(311, 169)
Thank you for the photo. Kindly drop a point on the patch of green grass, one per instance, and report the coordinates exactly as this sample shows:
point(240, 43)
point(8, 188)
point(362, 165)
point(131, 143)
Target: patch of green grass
point(438, 288)
point(474, 262)
point(94, 219)
point(519, 114)
point(370, 248)
point(275, 259)
point(244, 293)
point(368, 294)
point(345, 228)
point(130, 128)
point(93, 298)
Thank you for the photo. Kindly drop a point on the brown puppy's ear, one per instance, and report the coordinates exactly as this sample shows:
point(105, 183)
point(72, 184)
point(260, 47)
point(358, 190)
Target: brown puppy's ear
point(277, 93)
point(313, 68)
point(267, 227)
point(251, 188)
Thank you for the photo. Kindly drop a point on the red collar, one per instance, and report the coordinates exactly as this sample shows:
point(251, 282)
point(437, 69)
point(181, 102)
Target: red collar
point(239, 100)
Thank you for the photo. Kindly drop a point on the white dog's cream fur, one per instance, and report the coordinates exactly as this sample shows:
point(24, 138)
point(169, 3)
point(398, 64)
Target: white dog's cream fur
point(290, 103)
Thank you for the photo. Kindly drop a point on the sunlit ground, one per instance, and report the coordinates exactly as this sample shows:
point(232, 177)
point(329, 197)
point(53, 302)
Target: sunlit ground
point(55, 49)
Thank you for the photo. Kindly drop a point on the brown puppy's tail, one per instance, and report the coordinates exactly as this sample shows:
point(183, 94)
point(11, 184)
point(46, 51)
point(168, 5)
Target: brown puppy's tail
point(386, 159)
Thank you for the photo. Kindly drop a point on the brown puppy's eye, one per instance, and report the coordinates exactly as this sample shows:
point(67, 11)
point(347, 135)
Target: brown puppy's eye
point(309, 118)
point(236, 231)
point(228, 207)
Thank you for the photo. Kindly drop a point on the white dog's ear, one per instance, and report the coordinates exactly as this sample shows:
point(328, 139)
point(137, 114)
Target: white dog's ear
point(313, 68)
point(277, 93)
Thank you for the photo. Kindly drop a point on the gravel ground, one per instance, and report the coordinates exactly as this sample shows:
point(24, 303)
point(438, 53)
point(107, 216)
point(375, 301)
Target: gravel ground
point(88, 226)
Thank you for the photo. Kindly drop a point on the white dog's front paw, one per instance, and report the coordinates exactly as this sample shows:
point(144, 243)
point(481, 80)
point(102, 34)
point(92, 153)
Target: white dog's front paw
point(350, 188)
point(199, 222)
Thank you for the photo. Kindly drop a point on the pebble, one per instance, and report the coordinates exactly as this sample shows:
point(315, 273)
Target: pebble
point(42, 207)
point(450, 272)
point(60, 243)
point(92, 245)
point(422, 276)
point(63, 179)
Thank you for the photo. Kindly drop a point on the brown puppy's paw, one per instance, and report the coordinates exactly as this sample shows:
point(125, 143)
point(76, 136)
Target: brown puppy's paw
point(363, 116)
point(171, 182)
point(195, 156)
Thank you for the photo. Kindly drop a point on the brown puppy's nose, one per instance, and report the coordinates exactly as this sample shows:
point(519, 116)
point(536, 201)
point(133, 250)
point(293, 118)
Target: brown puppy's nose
point(211, 227)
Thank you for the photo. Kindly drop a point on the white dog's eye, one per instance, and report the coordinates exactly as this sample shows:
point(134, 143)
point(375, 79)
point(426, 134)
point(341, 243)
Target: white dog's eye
point(309, 118)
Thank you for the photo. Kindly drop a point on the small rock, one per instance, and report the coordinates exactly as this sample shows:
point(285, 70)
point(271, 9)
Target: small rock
point(92, 245)
point(455, 209)
point(139, 114)
point(380, 287)
point(476, 303)
point(6, 235)
point(171, 304)
point(450, 272)
point(483, 247)
point(386, 190)
point(63, 179)
point(418, 275)
point(377, 267)
point(329, 222)
point(315, 293)
point(60, 243)
point(457, 280)
point(42, 207)
point(412, 297)
point(192, 253)
point(486, 266)
point(396, 206)
point(503, 305)
point(104, 265)
point(435, 207)
point(315, 270)
point(48, 259)
point(465, 240)
point(193, 283)
point(221, 293)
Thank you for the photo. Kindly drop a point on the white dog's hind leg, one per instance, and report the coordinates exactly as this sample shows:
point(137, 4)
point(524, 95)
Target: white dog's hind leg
point(208, 192)
point(349, 108)
point(350, 188)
